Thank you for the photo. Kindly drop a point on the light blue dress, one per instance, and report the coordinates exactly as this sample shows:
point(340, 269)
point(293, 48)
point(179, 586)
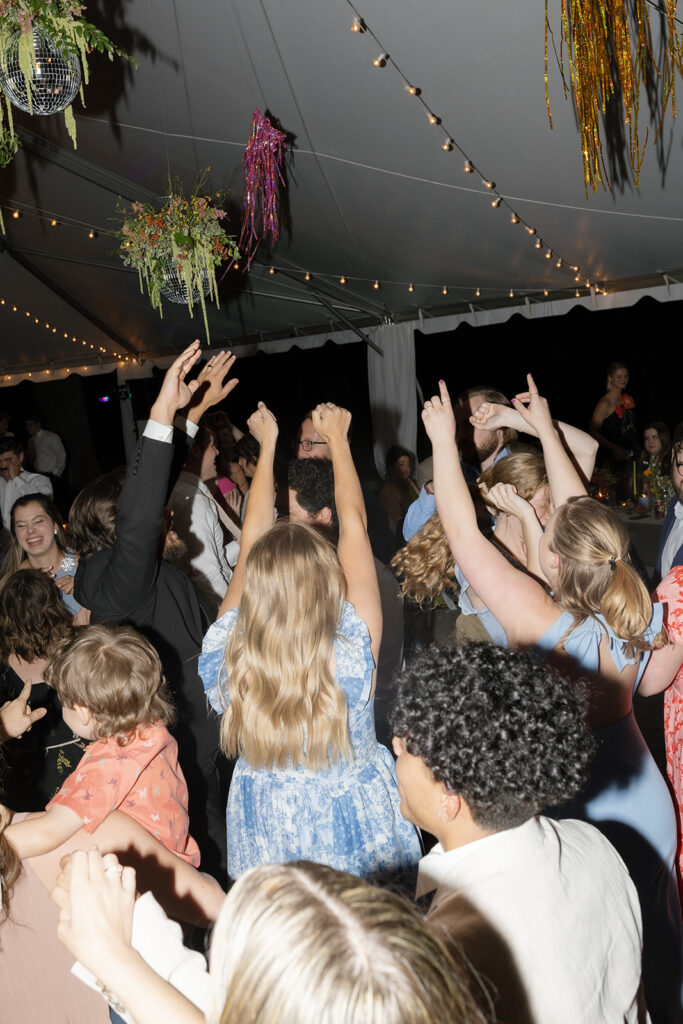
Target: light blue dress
point(485, 615)
point(347, 817)
point(627, 798)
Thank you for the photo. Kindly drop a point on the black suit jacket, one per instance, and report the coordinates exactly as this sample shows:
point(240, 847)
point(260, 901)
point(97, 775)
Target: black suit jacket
point(130, 584)
point(666, 530)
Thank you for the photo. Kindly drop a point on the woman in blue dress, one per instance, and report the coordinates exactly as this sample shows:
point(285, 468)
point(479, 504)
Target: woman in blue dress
point(598, 624)
point(290, 664)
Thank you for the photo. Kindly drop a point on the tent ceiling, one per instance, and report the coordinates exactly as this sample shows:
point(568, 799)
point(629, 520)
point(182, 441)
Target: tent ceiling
point(371, 194)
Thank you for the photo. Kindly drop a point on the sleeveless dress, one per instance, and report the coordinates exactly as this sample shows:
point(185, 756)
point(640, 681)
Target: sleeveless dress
point(347, 817)
point(627, 799)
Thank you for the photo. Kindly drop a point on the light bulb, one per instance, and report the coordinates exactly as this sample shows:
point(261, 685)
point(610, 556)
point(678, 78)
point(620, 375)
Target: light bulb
point(54, 223)
point(411, 287)
point(549, 254)
point(412, 90)
point(489, 184)
point(468, 169)
point(538, 244)
point(16, 214)
point(444, 290)
point(532, 231)
point(92, 234)
point(307, 276)
point(380, 62)
point(514, 219)
point(447, 145)
point(559, 264)
point(545, 292)
point(342, 280)
point(511, 294)
point(478, 292)
point(376, 285)
point(358, 26)
point(271, 270)
point(495, 203)
point(433, 119)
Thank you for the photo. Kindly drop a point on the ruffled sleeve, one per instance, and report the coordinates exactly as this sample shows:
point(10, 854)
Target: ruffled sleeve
point(353, 657)
point(584, 642)
point(670, 593)
point(212, 660)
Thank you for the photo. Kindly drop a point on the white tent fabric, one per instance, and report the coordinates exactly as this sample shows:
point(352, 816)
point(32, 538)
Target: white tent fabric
point(391, 383)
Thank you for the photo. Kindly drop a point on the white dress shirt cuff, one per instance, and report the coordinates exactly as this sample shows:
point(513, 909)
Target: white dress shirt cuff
point(162, 432)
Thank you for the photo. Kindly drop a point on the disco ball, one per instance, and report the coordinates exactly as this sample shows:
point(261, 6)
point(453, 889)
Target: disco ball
point(55, 79)
point(174, 287)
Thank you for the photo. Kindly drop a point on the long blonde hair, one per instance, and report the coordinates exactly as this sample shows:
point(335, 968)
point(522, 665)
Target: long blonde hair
point(425, 564)
point(303, 942)
point(595, 575)
point(285, 706)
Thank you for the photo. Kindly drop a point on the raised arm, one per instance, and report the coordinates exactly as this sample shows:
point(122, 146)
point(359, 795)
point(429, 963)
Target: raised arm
point(504, 498)
point(581, 447)
point(355, 553)
point(259, 516)
point(563, 477)
point(517, 601)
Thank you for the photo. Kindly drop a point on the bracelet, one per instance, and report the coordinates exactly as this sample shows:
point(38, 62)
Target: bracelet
point(111, 997)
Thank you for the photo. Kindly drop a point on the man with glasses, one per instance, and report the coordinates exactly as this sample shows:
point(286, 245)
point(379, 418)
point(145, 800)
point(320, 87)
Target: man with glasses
point(310, 444)
point(671, 541)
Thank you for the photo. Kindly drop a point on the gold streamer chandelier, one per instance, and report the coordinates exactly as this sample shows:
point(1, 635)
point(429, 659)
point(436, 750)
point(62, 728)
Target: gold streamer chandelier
point(611, 55)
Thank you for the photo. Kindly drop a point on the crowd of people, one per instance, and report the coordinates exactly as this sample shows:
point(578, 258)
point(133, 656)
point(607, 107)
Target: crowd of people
point(233, 794)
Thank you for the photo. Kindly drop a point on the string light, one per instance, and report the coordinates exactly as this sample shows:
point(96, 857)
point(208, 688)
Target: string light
point(54, 223)
point(545, 292)
point(532, 231)
point(412, 90)
point(578, 293)
point(359, 26)
point(433, 119)
point(16, 214)
point(444, 290)
point(411, 287)
point(549, 254)
point(381, 61)
point(468, 169)
point(342, 280)
point(92, 234)
point(376, 285)
point(559, 264)
point(53, 328)
point(271, 270)
point(478, 292)
point(538, 244)
point(495, 203)
point(488, 184)
point(447, 145)
point(514, 219)
point(307, 276)
point(511, 294)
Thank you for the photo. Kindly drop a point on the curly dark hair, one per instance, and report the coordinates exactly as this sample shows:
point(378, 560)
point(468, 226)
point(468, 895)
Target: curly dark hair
point(506, 734)
point(33, 617)
point(312, 480)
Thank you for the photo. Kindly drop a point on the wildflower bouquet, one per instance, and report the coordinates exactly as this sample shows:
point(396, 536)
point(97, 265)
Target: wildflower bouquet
point(22, 22)
point(184, 240)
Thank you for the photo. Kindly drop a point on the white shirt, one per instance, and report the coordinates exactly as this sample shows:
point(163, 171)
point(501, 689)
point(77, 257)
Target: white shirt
point(546, 911)
point(208, 564)
point(24, 483)
point(47, 452)
point(673, 541)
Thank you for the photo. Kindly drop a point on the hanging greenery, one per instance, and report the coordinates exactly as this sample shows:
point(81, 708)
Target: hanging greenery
point(176, 249)
point(57, 26)
point(611, 55)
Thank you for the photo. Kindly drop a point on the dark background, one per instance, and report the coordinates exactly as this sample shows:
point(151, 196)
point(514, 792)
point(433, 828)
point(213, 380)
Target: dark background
point(568, 356)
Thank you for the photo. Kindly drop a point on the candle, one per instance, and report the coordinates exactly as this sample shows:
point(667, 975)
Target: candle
point(634, 478)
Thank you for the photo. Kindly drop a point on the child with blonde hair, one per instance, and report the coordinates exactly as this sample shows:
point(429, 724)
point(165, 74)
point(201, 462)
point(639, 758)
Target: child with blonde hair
point(112, 690)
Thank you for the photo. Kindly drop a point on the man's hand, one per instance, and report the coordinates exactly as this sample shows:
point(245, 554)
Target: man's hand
point(212, 386)
point(175, 393)
point(16, 716)
point(331, 422)
point(491, 416)
point(533, 408)
point(263, 425)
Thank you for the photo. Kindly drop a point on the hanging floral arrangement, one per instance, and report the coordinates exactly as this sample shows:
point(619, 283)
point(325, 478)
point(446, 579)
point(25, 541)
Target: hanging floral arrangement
point(44, 48)
point(176, 249)
point(611, 55)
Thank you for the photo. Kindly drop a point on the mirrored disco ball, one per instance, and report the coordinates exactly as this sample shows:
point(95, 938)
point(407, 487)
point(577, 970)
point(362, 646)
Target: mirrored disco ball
point(175, 289)
point(55, 80)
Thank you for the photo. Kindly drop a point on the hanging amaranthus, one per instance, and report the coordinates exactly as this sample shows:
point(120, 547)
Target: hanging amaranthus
point(610, 57)
point(261, 164)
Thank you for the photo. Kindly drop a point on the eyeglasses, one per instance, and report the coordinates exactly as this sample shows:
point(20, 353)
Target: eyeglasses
point(308, 445)
point(678, 457)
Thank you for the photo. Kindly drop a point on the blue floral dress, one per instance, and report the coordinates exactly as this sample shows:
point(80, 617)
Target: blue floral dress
point(347, 817)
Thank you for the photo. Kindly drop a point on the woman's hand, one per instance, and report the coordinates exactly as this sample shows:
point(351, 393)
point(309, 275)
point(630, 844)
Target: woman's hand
point(533, 408)
point(16, 716)
point(175, 393)
point(438, 417)
point(505, 498)
point(65, 584)
point(82, 617)
point(331, 421)
point(212, 385)
point(95, 896)
point(262, 424)
point(491, 416)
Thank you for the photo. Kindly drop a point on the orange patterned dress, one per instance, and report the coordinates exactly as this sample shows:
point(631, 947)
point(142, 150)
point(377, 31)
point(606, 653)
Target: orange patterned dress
point(670, 593)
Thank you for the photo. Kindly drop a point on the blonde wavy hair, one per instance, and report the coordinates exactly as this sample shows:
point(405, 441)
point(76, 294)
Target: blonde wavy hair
point(425, 564)
point(303, 942)
point(595, 575)
point(285, 706)
point(115, 673)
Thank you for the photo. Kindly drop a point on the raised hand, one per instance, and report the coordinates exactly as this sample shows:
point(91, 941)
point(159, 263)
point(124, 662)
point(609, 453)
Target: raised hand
point(438, 417)
point(16, 716)
point(532, 407)
point(505, 498)
point(331, 421)
point(212, 384)
point(491, 416)
point(175, 393)
point(262, 424)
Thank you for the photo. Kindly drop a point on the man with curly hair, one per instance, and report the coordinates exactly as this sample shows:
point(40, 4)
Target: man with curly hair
point(543, 909)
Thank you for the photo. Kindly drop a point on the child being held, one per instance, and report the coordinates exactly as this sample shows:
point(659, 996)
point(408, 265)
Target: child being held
point(112, 690)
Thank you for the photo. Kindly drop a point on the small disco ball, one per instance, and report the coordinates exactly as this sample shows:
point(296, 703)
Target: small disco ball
point(55, 79)
point(174, 287)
